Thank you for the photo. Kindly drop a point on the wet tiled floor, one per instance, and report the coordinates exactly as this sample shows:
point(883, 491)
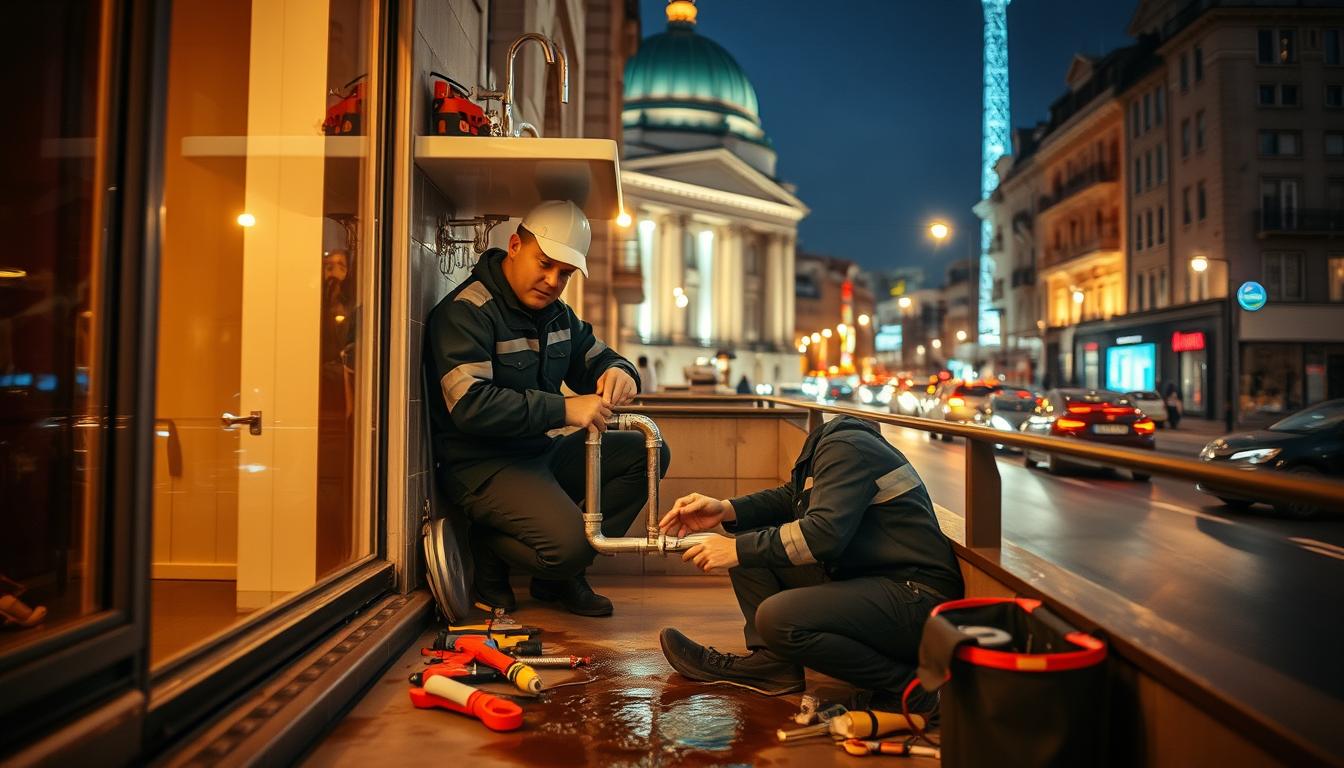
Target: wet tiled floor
point(628, 709)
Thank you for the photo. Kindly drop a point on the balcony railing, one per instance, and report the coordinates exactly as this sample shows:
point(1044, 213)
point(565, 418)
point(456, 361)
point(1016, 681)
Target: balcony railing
point(1089, 177)
point(1299, 221)
point(1108, 240)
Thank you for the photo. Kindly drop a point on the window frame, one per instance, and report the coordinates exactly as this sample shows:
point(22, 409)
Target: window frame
point(1276, 136)
point(1338, 89)
point(1198, 57)
point(1201, 201)
point(1271, 285)
point(1325, 144)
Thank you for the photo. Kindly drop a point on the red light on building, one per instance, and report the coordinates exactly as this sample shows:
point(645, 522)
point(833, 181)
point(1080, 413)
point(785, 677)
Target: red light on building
point(1187, 342)
point(1091, 346)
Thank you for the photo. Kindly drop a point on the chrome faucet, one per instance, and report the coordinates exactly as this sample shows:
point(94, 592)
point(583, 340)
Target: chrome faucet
point(554, 55)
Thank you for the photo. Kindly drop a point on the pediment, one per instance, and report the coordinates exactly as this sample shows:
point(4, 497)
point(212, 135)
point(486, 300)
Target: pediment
point(716, 169)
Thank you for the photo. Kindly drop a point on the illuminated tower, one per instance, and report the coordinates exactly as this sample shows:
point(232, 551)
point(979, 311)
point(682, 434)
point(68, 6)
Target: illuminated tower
point(995, 145)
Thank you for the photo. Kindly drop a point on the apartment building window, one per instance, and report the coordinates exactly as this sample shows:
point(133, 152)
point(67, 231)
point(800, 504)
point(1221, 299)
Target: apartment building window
point(1282, 273)
point(1152, 289)
point(1336, 277)
point(1138, 175)
point(1199, 129)
point(1134, 118)
point(1158, 107)
point(1185, 206)
point(1334, 96)
point(1287, 95)
point(1334, 195)
point(1138, 231)
point(1161, 224)
point(1201, 202)
point(1280, 143)
point(1148, 222)
point(1138, 292)
point(1199, 64)
point(1278, 203)
point(1332, 48)
point(1161, 163)
point(1334, 144)
point(1185, 137)
point(1148, 169)
point(1185, 73)
point(1276, 95)
point(1277, 46)
point(1162, 287)
point(1147, 111)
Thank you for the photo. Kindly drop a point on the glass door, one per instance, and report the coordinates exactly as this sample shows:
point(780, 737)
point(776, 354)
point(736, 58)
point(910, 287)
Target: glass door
point(265, 405)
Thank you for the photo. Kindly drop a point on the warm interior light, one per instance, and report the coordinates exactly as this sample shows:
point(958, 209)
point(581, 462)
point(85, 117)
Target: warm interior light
point(937, 343)
point(961, 335)
point(1078, 296)
point(816, 337)
point(863, 319)
point(682, 300)
point(623, 220)
point(246, 220)
point(12, 273)
point(1199, 263)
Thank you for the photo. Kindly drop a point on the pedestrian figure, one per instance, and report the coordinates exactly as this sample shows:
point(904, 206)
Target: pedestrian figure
point(1175, 408)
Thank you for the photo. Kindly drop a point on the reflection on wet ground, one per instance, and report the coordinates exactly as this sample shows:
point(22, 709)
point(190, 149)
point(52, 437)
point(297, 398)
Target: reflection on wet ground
point(627, 709)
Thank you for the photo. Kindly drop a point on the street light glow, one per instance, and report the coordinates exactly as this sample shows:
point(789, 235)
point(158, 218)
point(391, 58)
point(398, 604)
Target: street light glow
point(1199, 263)
point(1078, 296)
point(904, 302)
point(816, 337)
point(961, 335)
point(826, 332)
point(937, 343)
point(802, 349)
point(623, 220)
point(246, 220)
point(939, 231)
point(842, 329)
point(863, 319)
point(919, 349)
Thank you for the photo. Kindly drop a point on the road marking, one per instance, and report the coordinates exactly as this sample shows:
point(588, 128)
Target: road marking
point(1333, 550)
point(1077, 482)
point(1321, 551)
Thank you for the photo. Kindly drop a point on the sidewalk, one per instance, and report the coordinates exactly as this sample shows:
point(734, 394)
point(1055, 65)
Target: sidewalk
point(1192, 436)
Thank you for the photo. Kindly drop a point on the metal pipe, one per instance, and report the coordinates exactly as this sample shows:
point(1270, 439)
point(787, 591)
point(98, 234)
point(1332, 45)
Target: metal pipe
point(554, 55)
point(655, 541)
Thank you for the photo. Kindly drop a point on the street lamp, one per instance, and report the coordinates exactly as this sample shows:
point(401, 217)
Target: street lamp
point(919, 350)
point(825, 332)
point(904, 302)
point(937, 343)
point(1199, 263)
point(961, 335)
point(816, 337)
point(1078, 296)
point(863, 319)
point(939, 230)
point(842, 329)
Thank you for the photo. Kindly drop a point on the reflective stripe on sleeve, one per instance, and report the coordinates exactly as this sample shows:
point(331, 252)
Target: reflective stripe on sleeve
point(597, 349)
point(554, 336)
point(456, 382)
point(516, 345)
point(795, 545)
point(897, 482)
point(476, 294)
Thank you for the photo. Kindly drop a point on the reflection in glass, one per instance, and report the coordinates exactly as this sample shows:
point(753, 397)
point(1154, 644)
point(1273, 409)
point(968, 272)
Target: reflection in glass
point(265, 289)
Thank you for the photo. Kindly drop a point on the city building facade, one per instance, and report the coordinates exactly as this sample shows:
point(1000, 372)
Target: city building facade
point(834, 319)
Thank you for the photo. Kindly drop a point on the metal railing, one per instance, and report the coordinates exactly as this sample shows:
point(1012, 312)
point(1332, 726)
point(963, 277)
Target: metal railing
point(1299, 221)
point(983, 500)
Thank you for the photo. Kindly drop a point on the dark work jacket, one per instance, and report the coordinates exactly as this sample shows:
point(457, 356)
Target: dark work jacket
point(855, 505)
point(499, 367)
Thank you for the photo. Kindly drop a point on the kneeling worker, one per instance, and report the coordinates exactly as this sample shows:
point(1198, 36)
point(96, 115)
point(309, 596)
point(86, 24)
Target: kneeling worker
point(500, 345)
point(836, 570)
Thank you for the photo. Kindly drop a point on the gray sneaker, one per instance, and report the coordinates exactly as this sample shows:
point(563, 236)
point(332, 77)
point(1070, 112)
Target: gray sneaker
point(760, 671)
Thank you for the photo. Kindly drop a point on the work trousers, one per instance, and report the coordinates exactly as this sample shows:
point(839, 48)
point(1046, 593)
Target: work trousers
point(864, 631)
point(528, 513)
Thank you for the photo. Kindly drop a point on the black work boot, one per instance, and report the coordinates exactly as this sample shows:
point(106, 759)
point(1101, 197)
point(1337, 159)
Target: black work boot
point(575, 594)
point(760, 671)
point(491, 583)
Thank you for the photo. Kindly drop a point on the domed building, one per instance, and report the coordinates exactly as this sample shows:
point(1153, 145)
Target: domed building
point(711, 259)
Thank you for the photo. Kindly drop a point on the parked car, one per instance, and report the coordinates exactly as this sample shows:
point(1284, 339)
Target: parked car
point(1152, 405)
point(1095, 415)
point(1007, 408)
point(1308, 443)
point(873, 393)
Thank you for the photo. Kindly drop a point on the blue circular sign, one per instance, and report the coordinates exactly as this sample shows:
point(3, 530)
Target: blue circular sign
point(1251, 296)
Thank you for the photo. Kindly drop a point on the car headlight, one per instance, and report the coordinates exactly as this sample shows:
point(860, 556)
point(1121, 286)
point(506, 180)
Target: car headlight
point(884, 396)
point(1255, 455)
point(998, 422)
point(866, 395)
point(1206, 453)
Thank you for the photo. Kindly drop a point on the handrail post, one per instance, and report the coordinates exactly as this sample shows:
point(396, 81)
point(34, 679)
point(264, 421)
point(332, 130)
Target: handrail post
point(814, 419)
point(984, 497)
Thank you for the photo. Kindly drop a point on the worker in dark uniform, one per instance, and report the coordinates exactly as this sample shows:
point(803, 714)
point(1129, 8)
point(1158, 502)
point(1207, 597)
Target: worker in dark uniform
point(835, 570)
point(500, 345)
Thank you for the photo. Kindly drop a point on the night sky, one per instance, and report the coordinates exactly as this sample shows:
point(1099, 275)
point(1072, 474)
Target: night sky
point(875, 105)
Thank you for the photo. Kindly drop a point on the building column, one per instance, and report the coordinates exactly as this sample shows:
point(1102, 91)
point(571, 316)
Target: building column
point(786, 275)
point(668, 268)
point(729, 287)
point(772, 325)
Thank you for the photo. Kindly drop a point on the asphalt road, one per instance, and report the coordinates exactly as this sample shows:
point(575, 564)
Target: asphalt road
point(1264, 587)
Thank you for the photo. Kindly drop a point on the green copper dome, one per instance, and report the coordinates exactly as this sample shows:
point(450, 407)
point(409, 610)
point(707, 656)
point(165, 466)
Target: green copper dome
point(683, 81)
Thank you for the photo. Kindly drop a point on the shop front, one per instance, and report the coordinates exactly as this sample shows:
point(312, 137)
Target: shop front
point(1156, 351)
point(1292, 356)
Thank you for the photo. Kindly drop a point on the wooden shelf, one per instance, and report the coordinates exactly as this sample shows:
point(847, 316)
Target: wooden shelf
point(491, 174)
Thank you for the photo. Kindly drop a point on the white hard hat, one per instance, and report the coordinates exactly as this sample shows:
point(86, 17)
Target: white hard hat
point(562, 231)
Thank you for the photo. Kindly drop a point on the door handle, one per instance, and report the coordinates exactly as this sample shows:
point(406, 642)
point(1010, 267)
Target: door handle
point(253, 422)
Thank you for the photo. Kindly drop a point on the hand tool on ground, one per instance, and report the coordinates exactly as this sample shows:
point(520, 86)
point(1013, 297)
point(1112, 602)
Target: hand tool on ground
point(825, 696)
point(438, 657)
point(555, 661)
point(868, 724)
point(492, 627)
point(899, 748)
point(521, 675)
point(494, 713)
point(820, 728)
point(497, 640)
point(470, 673)
point(523, 648)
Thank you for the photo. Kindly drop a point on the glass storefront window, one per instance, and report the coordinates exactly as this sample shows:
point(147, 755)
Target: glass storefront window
point(53, 320)
point(1336, 277)
point(267, 309)
point(1271, 379)
point(1131, 367)
point(1194, 378)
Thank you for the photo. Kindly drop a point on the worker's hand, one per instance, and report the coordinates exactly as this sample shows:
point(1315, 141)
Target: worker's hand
point(717, 552)
point(696, 512)
point(587, 411)
point(616, 386)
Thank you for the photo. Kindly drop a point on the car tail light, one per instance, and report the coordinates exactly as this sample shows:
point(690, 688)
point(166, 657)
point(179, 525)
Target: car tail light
point(1025, 395)
point(1116, 410)
point(1144, 426)
point(955, 402)
point(1080, 409)
point(1069, 425)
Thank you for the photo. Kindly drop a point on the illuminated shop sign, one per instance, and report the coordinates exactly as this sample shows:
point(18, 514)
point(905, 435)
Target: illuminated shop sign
point(1135, 339)
point(1187, 342)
